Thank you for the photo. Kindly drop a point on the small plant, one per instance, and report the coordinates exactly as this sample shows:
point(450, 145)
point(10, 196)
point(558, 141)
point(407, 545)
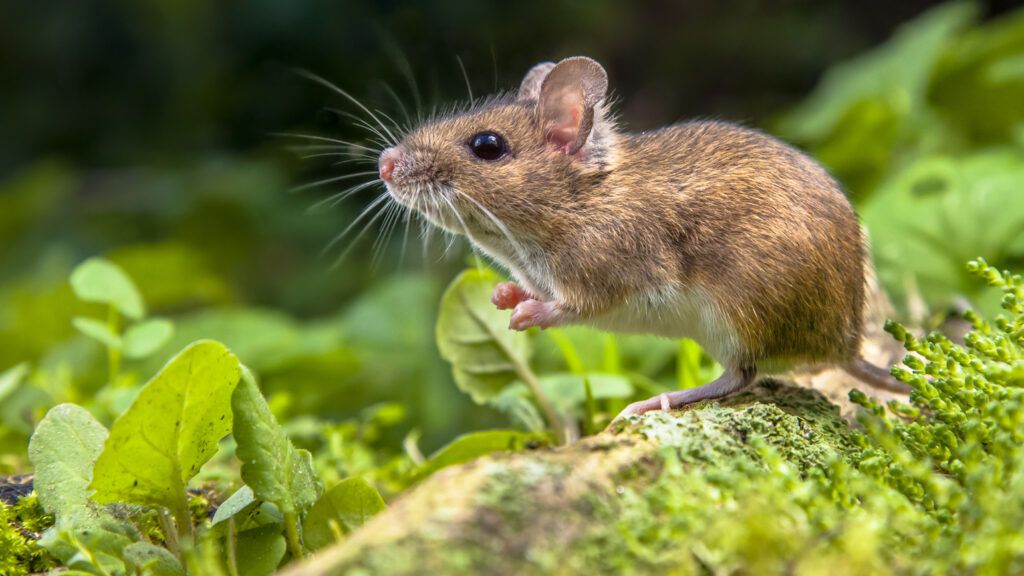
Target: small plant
point(120, 499)
point(126, 331)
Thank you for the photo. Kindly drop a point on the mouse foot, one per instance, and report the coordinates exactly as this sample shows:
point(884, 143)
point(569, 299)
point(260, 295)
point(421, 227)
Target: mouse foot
point(508, 295)
point(730, 381)
point(530, 313)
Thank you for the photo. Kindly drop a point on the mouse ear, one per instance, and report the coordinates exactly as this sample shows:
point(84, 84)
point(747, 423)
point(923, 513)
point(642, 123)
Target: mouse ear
point(567, 99)
point(529, 89)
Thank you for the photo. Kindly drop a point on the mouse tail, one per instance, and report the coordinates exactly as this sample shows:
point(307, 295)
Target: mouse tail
point(875, 376)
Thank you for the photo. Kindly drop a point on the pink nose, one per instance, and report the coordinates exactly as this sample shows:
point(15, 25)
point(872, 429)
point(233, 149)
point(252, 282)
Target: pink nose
point(387, 164)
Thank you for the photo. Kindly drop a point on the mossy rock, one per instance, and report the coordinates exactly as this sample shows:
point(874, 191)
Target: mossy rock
point(693, 491)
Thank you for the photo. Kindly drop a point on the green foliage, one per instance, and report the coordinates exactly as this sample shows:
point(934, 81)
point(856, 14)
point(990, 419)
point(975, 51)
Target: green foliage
point(925, 132)
point(20, 524)
point(957, 449)
point(343, 508)
point(474, 337)
point(271, 466)
point(170, 431)
point(98, 280)
point(476, 444)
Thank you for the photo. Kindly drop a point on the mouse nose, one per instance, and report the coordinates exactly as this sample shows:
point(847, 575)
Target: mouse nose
point(386, 164)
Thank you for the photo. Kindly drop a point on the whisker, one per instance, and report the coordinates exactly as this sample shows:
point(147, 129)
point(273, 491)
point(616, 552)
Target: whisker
point(330, 85)
point(367, 210)
point(331, 180)
point(363, 124)
point(398, 101)
point(469, 90)
point(335, 199)
point(494, 219)
point(354, 156)
point(324, 139)
point(362, 232)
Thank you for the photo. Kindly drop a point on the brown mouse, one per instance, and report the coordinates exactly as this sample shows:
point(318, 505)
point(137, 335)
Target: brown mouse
point(705, 230)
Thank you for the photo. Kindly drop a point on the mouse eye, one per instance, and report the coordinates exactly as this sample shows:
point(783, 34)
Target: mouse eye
point(488, 146)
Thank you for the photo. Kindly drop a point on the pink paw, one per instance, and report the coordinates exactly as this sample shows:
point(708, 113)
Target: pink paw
point(508, 295)
point(529, 313)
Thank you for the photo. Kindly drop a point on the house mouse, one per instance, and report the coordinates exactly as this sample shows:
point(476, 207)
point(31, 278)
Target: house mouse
point(705, 230)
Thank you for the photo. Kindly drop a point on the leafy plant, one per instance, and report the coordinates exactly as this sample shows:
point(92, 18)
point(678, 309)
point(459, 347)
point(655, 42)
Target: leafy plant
point(102, 282)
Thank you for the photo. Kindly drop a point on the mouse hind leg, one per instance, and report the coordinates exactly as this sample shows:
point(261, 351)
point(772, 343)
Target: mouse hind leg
point(730, 381)
point(874, 376)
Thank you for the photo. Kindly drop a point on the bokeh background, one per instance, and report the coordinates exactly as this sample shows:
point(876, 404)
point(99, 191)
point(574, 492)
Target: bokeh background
point(143, 130)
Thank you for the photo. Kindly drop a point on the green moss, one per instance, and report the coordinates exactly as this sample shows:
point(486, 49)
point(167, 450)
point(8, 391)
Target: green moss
point(20, 526)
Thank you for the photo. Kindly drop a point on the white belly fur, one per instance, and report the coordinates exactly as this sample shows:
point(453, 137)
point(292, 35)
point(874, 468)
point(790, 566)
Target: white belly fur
point(676, 313)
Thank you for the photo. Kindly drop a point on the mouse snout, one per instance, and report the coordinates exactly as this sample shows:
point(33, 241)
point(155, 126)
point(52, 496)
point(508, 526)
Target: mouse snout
point(386, 164)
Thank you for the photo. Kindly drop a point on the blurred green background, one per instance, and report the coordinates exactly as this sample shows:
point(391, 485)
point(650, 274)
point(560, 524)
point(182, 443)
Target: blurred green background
point(141, 130)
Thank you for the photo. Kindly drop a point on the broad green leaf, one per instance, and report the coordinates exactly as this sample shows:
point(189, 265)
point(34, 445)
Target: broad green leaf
point(99, 280)
point(146, 337)
point(237, 502)
point(894, 75)
point(275, 470)
point(149, 560)
point(171, 429)
point(473, 336)
point(347, 505)
point(476, 444)
point(260, 550)
point(99, 331)
point(63, 449)
point(11, 378)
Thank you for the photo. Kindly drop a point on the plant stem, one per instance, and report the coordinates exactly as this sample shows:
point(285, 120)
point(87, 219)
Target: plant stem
point(291, 529)
point(170, 532)
point(561, 428)
point(231, 552)
point(113, 353)
point(182, 517)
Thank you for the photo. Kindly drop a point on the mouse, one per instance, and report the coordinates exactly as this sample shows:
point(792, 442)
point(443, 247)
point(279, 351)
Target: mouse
point(704, 229)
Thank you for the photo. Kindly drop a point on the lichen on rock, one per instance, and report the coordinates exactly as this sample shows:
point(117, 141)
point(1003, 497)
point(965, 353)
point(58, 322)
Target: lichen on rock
point(686, 491)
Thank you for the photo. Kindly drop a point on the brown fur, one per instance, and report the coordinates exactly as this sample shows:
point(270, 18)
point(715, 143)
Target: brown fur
point(756, 224)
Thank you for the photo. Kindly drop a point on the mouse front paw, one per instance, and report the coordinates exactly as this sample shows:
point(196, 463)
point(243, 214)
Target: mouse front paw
point(508, 295)
point(530, 313)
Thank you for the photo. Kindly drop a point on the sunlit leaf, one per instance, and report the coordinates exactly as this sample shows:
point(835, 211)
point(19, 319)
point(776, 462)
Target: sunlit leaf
point(99, 331)
point(146, 337)
point(63, 449)
point(99, 280)
point(171, 429)
point(474, 337)
point(235, 503)
point(275, 470)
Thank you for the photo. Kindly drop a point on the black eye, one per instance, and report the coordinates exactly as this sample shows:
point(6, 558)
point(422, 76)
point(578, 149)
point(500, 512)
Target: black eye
point(488, 146)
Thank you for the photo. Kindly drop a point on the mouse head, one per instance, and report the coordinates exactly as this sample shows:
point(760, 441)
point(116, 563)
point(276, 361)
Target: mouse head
point(515, 167)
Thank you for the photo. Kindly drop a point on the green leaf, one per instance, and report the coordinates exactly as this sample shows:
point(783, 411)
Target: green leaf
point(347, 505)
point(11, 378)
point(149, 560)
point(99, 280)
point(63, 449)
point(99, 331)
point(146, 337)
point(474, 337)
point(476, 444)
point(260, 550)
point(171, 429)
point(240, 500)
point(275, 470)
